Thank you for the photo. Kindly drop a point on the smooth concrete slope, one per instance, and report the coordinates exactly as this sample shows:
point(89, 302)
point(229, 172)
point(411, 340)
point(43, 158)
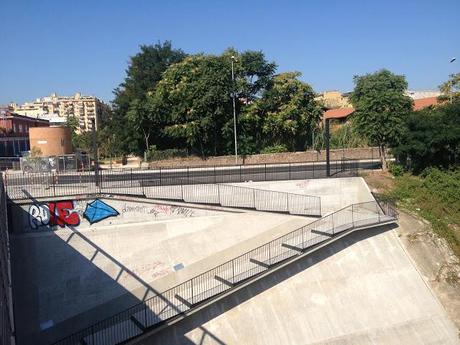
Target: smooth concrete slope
point(362, 289)
point(335, 193)
point(68, 272)
point(70, 278)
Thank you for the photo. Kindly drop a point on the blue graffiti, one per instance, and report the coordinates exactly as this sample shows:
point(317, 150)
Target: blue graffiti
point(98, 210)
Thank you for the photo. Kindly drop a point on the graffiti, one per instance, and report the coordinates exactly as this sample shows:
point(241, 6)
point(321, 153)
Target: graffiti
point(158, 210)
point(98, 210)
point(60, 213)
point(70, 213)
point(302, 184)
point(149, 271)
point(136, 209)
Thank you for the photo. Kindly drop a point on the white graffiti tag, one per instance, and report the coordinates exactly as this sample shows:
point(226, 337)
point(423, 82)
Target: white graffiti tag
point(39, 215)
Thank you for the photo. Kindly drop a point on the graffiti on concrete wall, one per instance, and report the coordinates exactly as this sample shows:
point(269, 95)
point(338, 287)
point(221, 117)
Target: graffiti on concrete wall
point(158, 210)
point(98, 210)
point(72, 212)
point(54, 213)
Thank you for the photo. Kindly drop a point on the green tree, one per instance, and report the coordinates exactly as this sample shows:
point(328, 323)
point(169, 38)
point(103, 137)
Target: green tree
point(144, 72)
point(194, 98)
point(451, 88)
point(380, 108)
point(431, 138)
point(287, 113)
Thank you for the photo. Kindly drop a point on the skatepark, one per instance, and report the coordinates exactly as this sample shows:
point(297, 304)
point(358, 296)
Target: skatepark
point(304, 261)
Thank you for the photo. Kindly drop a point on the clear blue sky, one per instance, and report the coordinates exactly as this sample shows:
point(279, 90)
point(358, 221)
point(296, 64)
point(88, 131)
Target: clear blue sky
point(67, 46)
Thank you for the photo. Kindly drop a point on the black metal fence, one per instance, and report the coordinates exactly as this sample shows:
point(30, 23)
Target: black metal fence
point(132, 182)
point(6, 312)
point(189, 294)
point(10, 163)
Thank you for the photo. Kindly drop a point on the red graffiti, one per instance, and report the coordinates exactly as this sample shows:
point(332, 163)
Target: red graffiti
point(62, 214)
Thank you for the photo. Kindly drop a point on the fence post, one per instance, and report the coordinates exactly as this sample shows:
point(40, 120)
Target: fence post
point(352, 216)
point(54, 183)
point(160, 177)
point(131, 177)
point(233, 271)
point(191, 283)
point(254, 197)
point(333, 225)
point(269, 253)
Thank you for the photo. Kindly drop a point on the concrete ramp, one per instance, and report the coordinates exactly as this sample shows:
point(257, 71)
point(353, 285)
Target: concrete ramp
point(363, 289)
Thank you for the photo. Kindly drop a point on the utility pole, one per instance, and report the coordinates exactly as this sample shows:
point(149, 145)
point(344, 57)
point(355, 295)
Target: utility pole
point(451, 81)
point(328, 161)
point(234, 110)
point(96, 162)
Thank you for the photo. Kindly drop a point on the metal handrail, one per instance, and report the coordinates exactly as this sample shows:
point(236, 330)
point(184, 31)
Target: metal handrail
point(187, 295)
point(257, 198)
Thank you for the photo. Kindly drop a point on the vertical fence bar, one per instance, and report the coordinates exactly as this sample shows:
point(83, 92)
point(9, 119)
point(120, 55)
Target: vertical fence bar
point(352, 216)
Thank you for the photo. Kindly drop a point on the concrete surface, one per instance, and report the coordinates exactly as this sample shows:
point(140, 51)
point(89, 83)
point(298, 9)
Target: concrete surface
point(98, 270)
point(434, 258)
point(361, 290)
point(335, 193)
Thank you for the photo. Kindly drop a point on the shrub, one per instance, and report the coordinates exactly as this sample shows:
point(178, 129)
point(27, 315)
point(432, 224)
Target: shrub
point(395, 169)
point(274, 149)
point(157, 155)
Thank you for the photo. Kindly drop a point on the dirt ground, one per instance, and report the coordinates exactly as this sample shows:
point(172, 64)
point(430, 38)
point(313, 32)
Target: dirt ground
point(430, 254)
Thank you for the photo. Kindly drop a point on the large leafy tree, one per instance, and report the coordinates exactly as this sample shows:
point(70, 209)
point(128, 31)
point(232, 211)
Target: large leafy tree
point(380, 108)
point(194, 98)
point(286, 113)
point(132, 123)
point(431, 138)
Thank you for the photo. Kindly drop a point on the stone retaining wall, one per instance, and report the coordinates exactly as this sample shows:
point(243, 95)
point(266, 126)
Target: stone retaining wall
point(270, 158)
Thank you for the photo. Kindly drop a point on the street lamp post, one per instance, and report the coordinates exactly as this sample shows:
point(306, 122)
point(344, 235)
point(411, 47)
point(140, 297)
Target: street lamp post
point(451, 81)
point(234, 110)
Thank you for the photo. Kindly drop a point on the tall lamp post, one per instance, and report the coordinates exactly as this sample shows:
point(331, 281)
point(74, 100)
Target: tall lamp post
point(451, 82)
point(234, 109)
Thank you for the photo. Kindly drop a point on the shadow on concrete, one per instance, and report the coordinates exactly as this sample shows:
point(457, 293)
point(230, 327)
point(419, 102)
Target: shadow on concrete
point(177, 333)
point(52, 287)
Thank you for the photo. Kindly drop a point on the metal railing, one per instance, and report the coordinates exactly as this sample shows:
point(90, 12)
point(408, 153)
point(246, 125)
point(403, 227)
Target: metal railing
point(131, 182)
point(236, 196)
point(191, 293)
point(6, 310)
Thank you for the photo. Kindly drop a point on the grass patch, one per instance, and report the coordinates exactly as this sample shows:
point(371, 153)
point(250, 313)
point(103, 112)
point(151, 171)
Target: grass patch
point(435, 196)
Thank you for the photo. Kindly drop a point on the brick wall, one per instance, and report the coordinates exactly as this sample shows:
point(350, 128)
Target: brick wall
point(286, 157)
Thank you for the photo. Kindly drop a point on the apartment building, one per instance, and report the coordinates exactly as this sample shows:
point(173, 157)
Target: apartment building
point(333, 99)
point(84, 108)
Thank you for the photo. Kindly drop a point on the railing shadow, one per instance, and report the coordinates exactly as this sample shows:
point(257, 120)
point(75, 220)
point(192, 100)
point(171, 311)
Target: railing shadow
point(179, 332)
point(30, 309)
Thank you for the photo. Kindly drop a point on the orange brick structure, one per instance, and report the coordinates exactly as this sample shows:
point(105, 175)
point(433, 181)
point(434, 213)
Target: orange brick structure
point(52, 141)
